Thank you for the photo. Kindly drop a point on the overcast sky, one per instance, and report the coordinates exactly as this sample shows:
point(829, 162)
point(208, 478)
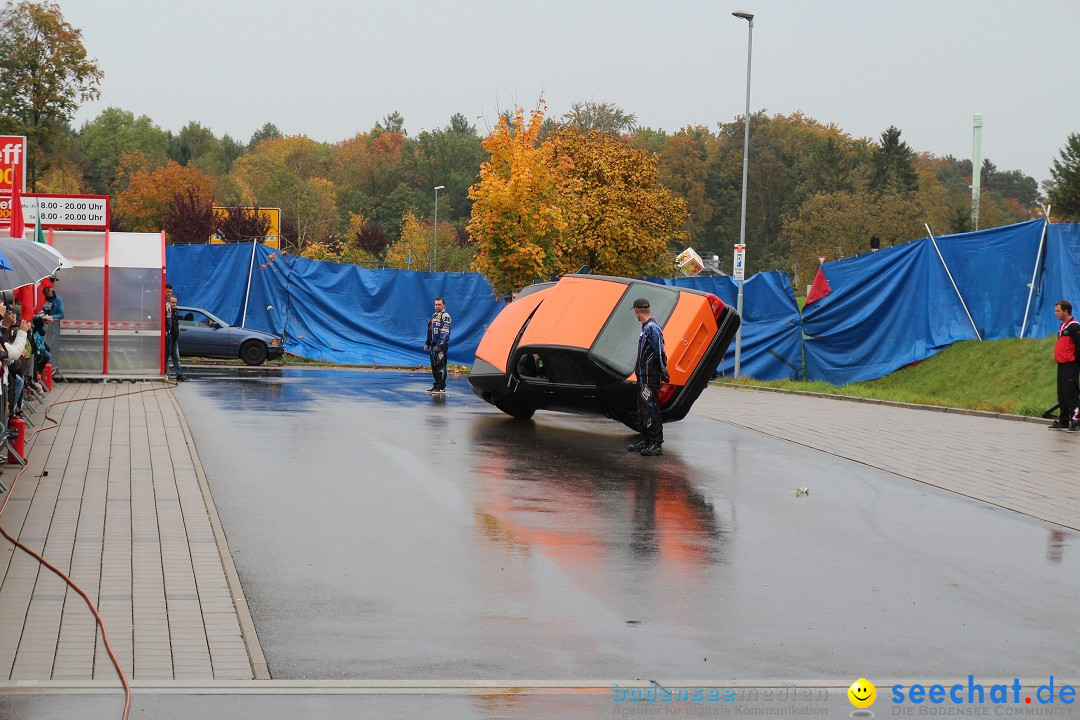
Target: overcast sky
point(332, 69)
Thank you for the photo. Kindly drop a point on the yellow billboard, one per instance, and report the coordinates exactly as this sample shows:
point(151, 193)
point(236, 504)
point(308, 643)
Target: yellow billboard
point(272, 235)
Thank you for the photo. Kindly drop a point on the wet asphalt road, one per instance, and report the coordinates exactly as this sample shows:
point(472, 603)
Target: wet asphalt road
point(381, 533)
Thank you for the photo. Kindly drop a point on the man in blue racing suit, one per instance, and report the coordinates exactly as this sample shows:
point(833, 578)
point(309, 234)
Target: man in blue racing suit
point(438, 344)
point(651, 370)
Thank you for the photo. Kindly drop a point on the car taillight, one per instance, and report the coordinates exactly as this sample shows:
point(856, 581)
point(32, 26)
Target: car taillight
point(716, 304)
point(666, 391)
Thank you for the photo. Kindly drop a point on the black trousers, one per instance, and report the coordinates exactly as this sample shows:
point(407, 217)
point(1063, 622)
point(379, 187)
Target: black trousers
point(1068, 398)
point(438, 367)
point(648, 410)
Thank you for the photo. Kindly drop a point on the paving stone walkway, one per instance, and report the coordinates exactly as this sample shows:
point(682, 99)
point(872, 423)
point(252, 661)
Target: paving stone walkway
point(115, 498)
point(1021, 466)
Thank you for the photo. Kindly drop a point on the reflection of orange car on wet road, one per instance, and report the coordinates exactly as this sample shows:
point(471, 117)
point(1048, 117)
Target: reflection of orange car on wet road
point(572, 346)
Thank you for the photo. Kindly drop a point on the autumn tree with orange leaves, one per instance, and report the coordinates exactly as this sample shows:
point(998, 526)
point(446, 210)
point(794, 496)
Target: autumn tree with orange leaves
point(542, 209)
point(517, 216)
point(175, 198)
point(619, 219)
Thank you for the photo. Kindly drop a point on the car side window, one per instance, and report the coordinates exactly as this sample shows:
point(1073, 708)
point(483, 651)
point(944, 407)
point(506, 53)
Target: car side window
point(616, 345)
point(194, 319)
point(558, 367)
point(532, 367)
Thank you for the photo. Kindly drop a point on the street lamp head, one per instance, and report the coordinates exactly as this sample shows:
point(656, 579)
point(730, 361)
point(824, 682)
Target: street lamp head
point(744, 15)
point(440, 187)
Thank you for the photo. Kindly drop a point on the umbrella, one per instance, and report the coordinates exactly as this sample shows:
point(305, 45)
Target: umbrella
point(30, 261)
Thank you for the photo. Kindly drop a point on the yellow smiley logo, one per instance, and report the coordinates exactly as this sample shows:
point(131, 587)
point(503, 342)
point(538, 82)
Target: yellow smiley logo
point(862, 693)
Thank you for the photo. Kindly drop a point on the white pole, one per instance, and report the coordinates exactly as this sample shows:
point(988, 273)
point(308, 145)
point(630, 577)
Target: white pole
point(1034, 274)
point(944, 265)
point(435, 250)
point(976, 170)
point(247, 294)
point(745, 170)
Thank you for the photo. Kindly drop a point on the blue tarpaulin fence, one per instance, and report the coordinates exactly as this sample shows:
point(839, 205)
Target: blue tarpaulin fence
point(898, 306)
point(332, 311)
point(884, 310)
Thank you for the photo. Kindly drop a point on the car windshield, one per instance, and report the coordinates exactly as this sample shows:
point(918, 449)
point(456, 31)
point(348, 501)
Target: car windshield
point(616, 346)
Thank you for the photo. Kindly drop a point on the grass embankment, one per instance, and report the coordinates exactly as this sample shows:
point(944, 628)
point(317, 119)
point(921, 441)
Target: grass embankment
point(1008, 376)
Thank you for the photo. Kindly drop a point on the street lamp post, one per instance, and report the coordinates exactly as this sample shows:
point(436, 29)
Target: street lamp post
point(745, 169)
point(435, 251)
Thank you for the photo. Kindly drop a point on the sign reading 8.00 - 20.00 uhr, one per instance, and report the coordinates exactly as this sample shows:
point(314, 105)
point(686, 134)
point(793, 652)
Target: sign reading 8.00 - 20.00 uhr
point(75, 212)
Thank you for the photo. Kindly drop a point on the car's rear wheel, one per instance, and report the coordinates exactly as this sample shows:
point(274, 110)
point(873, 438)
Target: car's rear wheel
point(513, 409)
point(253, 352)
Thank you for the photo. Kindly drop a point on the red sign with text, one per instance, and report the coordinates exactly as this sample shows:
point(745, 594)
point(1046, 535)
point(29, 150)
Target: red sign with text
point(12, 172)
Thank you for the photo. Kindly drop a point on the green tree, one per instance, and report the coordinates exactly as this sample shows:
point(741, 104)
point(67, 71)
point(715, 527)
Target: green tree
point(107, 137)
point(64, 173)
point(290, 173)
point(683, 166)
point(231, 149)
point(600, 116)
point(374, 174)
point(392, 123)
point(841, 223)
point(269, 131)
point(1014, 184)
point(418, 241)
point(345, 249)
point(1064, 195)
point(648, 139)
point(197, 146)
point(893, 165)
point(44, 75)
point(828, 167)
point(450, 157)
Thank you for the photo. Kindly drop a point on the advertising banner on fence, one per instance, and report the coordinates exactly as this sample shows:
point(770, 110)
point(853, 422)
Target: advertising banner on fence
point(12, 171)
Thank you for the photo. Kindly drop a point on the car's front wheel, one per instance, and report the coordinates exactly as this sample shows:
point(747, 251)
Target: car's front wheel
point(253, 352)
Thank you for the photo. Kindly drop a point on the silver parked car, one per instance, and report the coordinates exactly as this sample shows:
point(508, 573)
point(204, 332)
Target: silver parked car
point(203, 334)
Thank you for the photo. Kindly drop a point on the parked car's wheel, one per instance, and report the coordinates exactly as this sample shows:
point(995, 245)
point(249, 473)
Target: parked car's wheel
point(513, 409)
point(253, 352)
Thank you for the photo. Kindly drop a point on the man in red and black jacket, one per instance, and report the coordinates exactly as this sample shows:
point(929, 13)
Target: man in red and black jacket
point(1067, 356)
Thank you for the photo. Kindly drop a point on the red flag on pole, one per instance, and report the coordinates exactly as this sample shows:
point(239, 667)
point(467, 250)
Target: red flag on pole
point(819, 289)
point(18, 227)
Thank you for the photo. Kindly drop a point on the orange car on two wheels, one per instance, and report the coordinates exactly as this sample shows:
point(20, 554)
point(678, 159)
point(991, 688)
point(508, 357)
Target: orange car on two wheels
point(571, 346)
